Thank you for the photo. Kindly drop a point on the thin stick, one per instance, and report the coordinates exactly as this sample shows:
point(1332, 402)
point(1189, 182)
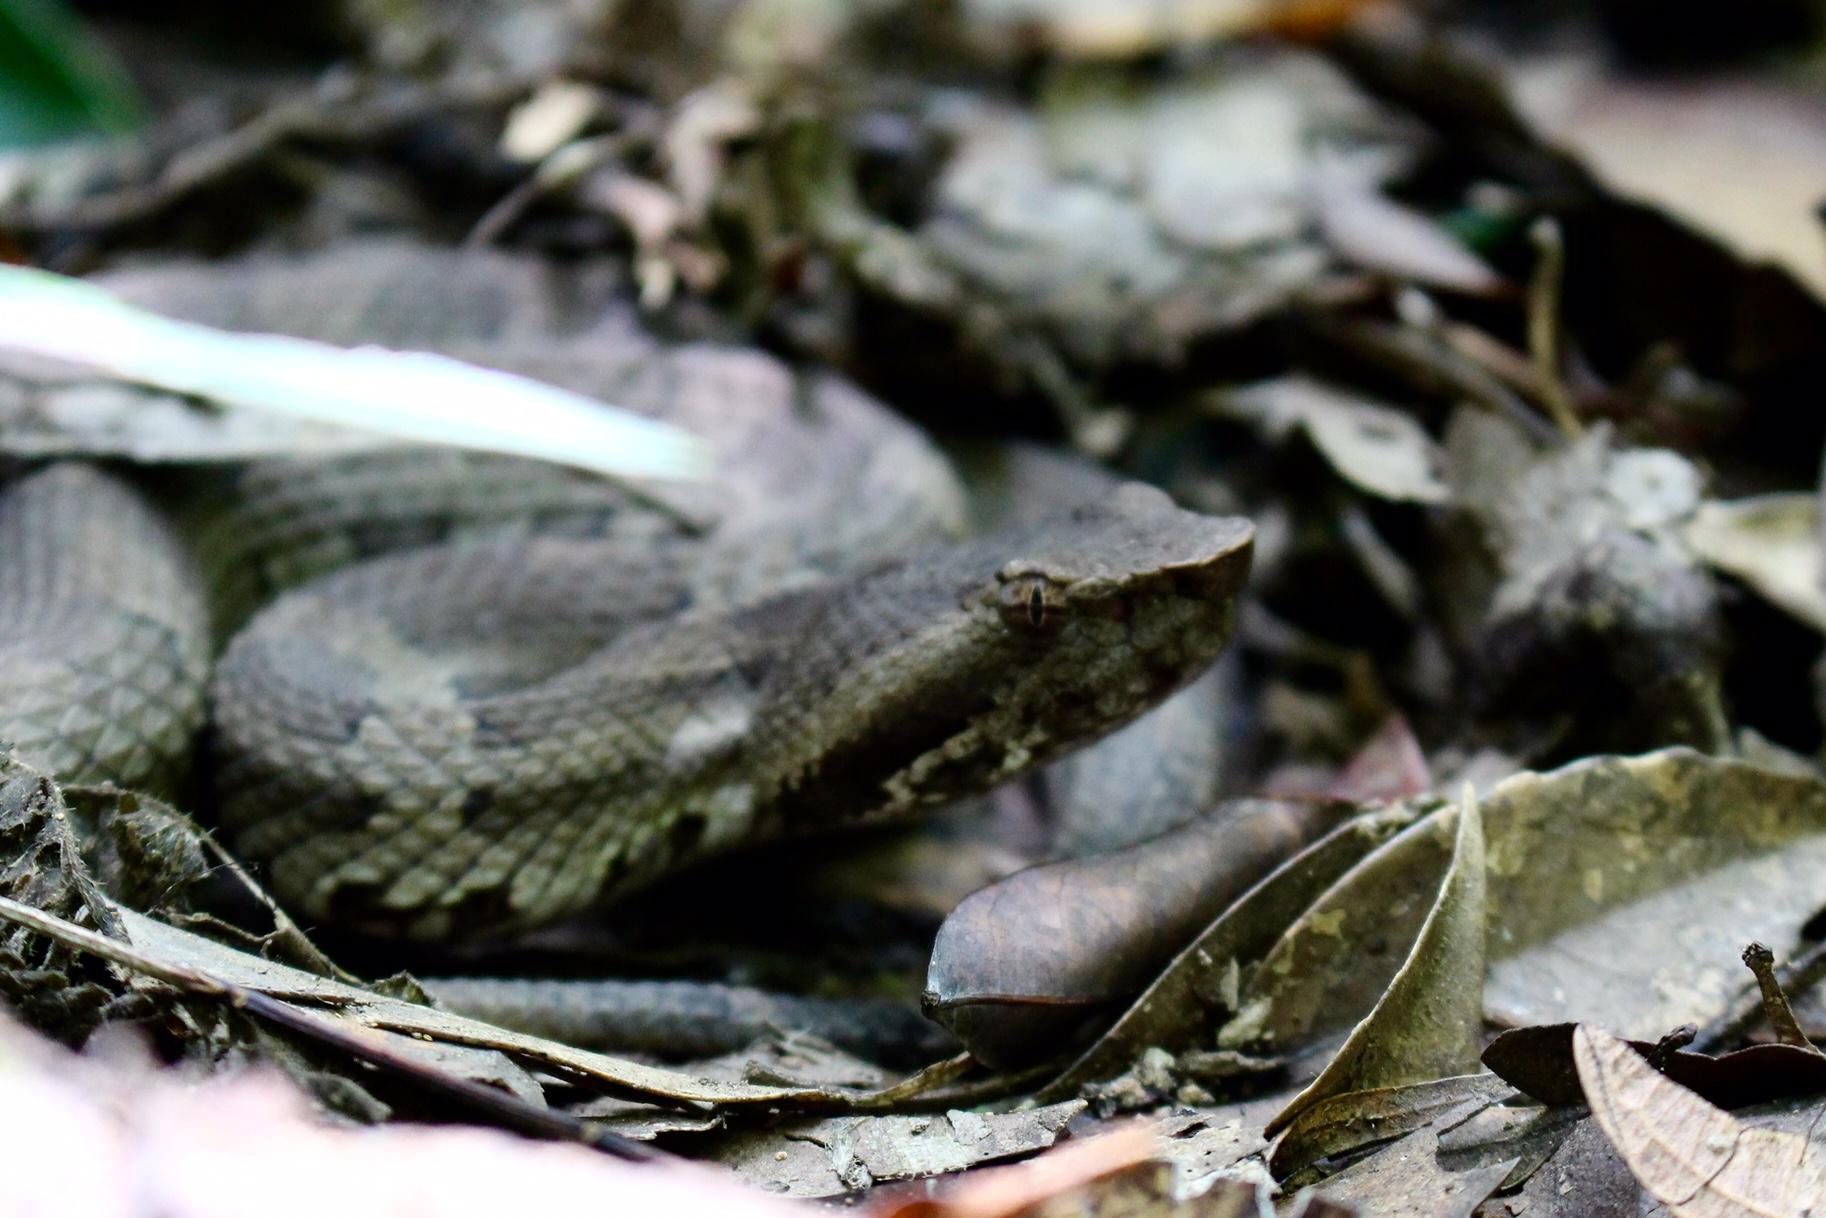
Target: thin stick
point(1545, 339)
point(1800, 974)
point(1780, 1015)
point(498, 1106)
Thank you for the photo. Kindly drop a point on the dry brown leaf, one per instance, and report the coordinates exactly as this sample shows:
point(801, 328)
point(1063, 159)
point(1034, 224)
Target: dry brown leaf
point(1594, 871)
point(1006, 1191)
point(1741, 160)
point(1387, 766)
point(831, 1156)
point(1369, 229)
point(1022, 968)
point(1355, 1119)
point(1772, 543)
point(1407, 1180)
point(1179, 1008)
point(1429, 1022)
point(1374, 446)
point(1697, 1160)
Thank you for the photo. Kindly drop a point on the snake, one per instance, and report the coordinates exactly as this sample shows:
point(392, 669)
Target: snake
point(439, 694)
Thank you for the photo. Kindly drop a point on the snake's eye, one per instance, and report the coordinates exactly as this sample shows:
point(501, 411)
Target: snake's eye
point(1027, 604)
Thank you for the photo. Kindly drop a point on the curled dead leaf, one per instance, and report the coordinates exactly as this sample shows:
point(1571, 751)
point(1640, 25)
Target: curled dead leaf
point(1200, 985)
point(1020, 967)
point(1429, 1022)
point(1697, 1160)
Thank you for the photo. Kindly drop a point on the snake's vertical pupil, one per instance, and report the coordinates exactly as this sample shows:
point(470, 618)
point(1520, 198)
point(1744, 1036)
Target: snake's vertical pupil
point(1036, 606)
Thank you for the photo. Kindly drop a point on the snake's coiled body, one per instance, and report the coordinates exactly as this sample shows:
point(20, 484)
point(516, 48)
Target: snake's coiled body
point(104, 633)
point(496, 692)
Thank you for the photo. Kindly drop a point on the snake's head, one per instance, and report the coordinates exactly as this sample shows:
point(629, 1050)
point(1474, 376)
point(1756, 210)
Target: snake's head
point(941, 677)
point(1137, 554)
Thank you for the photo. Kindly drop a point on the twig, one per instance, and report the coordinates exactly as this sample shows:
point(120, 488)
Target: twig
point(497, 1106)
point(1800, 974)
point(1545, 339)
point(1429, 364)
point(1787, 1029)
point(333, 113)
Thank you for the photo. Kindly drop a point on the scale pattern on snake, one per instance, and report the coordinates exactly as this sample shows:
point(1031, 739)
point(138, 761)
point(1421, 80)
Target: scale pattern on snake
point(559, 687)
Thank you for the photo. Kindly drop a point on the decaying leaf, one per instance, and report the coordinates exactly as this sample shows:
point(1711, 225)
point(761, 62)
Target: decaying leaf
point(1007, 1191)
point(1579, 592)
point(1209, 1144)
point(1019, 967)
point(831, 1156)
point(1772, 543)
point(1594, 871)
point(359, 1008)
point(1582, 1176)
point(1407, 1179)
point(1327, 968)
point(1379, 234)
point(1374, 446)
point(58, 991)
point(1428, 1024)
point(1191, 994)
point(1351, 1120)
point(1387, 766)
point(1114, 222)
point(1698, 1161)
point(1539, 1062)
point(1741, 161)
point(1511, 1131)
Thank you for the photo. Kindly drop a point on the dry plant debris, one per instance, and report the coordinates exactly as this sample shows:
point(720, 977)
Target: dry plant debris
point(1504, 326)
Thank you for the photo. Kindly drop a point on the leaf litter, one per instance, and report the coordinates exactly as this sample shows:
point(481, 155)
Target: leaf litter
point(1550, 504)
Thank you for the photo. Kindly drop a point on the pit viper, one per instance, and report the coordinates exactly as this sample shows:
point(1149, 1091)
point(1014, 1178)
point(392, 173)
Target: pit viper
point(442, 694)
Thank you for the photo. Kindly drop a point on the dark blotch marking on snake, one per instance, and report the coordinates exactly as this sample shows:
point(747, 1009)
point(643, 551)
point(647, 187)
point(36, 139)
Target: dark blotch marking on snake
point(476, 804)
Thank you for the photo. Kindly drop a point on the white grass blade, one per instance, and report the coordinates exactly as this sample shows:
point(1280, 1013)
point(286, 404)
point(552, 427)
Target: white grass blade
point(411, 395)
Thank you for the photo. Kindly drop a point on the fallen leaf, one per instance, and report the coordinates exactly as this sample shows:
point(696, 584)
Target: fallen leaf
point(831, 1156)
point(1772, 543)
point(1695, 1159)
point(1007, 1191)
point(1349, 1121)
point(1191, 994)
point(1387, 766)
point(1594, 871)
point(1741, 160)
point(1120, 222)
point(1525, 1135)
point(1406, 1180)
point(1428, 1023)
point(1582, 1177)
point(1373, 231)
point(1020, 967)
point(1539, 1062)
point(1374, 446)
point(1577, 592)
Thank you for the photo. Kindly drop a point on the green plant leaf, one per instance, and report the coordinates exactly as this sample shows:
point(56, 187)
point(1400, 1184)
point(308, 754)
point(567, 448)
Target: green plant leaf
point(56, 81)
